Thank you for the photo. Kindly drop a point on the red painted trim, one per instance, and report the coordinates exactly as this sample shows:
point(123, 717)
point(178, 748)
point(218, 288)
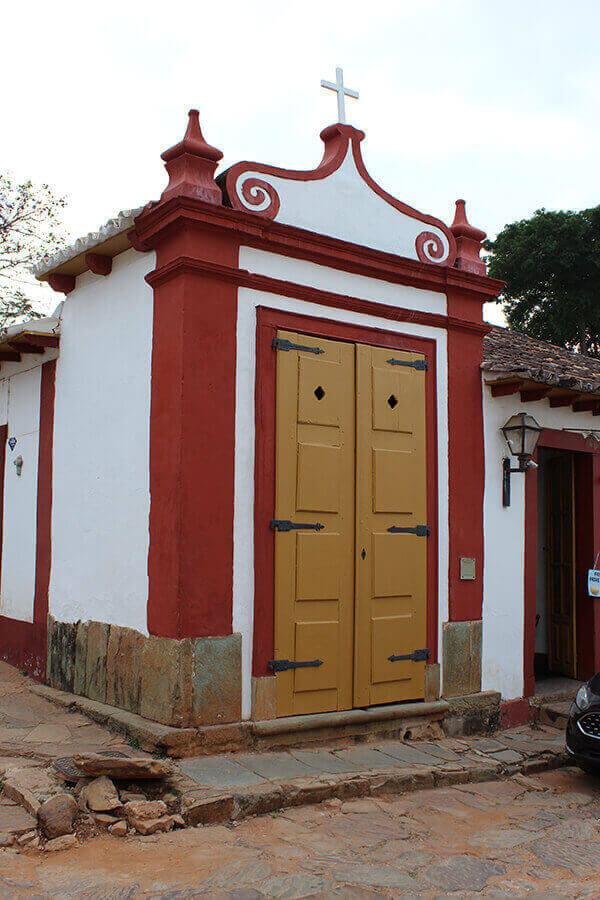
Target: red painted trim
point(62, 283)
point(531, 394)
point(191, 165)
point(468, 242)
point(277, 286)
point(585, 553)
point(44, 494)
point(254, 231)
point(586, 405)
point(558, 402)
point(505, 388)
point(23, 644)
point(515, 712)
point(38, 340)
point(587, 544)
point(268, 321)
point(26, 348)
point(530, 579)
point(566, 440)
point(466, 464)
point(135, 241)
point(337, 139)
point(98, 263)
point(192, 442)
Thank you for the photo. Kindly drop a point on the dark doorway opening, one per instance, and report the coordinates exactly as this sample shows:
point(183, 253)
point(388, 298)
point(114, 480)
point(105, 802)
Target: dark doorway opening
point(562, 629)
point(556, 600)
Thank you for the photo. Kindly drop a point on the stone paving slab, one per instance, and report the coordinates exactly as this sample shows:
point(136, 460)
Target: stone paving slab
point(274, 766)
point(15, 820)
point(363, 758)
point(438, 750)
point(507, 756)
point(409, 754)
point(219, 772)
point(323, 761)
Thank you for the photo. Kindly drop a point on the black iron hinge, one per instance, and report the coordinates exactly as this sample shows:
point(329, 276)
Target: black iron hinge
point(282, 665)
point(419, 530)
point(420, 364)
point(286, 525)
point(416, 656)
point(284, 344)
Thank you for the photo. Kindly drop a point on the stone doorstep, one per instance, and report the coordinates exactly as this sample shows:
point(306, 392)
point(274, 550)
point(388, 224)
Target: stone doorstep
point(231, 806)
point(393, 720)
point(434, 711)
point(297, 730)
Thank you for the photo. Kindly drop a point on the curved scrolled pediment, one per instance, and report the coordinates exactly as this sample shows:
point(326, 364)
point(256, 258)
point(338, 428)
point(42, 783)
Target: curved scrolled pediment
point(339, 199)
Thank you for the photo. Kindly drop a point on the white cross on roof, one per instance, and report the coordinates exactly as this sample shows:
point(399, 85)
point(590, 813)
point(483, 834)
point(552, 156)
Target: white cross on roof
point(341, 92)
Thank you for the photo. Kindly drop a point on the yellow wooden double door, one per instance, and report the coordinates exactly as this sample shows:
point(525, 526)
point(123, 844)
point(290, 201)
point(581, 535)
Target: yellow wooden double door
point(350, 523)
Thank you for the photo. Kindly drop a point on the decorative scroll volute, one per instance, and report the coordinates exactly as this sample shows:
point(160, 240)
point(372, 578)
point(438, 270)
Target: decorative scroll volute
point(430, 247)
point(258, 196)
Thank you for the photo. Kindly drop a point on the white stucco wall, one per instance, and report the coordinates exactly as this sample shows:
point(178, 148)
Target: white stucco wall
point(101, 496)
point(20, 407)
point(324, 278)
point(504, 543)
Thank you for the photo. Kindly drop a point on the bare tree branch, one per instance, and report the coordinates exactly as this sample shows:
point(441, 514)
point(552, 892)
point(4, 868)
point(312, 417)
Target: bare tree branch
point(30, 228)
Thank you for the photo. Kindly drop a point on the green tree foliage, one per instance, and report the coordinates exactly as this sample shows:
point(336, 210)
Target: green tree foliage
point(551, 266)
point(29, 228)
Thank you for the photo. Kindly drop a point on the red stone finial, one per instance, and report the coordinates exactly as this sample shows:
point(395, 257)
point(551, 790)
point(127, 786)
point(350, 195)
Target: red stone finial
point(191, 166)
point(468, 242)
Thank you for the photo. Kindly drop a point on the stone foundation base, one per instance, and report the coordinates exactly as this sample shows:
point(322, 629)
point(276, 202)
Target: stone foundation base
point(473, 714)
point(461, 658)
point(183, 683)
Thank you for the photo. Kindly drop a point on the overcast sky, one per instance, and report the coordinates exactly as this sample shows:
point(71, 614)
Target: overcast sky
point(494, 102)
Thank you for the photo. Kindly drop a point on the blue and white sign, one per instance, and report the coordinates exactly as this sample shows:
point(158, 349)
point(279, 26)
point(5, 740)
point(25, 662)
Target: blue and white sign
point(594, 582)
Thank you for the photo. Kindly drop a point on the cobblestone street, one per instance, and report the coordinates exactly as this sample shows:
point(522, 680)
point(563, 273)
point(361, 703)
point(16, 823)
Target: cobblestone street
point(526, 835)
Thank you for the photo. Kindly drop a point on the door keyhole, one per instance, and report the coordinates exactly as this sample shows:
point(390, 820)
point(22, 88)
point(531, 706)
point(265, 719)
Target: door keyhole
point(363, 553)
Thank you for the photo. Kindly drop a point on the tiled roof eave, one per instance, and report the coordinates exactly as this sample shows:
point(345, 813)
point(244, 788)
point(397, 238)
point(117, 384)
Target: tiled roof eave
point(545, 377)
point(123, 221)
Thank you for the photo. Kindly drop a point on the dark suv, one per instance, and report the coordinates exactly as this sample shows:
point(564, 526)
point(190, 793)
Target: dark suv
point(583, 727)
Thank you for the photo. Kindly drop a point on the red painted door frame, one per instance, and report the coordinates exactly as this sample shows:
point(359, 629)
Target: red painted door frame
point(268, 321)
point(587, 544)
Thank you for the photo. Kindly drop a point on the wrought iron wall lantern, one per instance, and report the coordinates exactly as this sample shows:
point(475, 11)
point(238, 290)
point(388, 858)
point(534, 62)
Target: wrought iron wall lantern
point(522, 433)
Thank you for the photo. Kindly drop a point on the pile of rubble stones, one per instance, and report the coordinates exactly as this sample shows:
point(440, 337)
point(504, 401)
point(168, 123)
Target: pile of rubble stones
point(81, 796)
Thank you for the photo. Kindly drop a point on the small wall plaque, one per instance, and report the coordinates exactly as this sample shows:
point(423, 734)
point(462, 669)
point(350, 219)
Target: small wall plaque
point(467, 568)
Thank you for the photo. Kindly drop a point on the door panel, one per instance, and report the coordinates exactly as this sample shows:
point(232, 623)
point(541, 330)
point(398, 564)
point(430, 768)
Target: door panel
point(560, 480)
point(319, 473)
point(391, 489)
point(350, 455)
point(314, 571)
point(395, 481)
point(318, 579)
